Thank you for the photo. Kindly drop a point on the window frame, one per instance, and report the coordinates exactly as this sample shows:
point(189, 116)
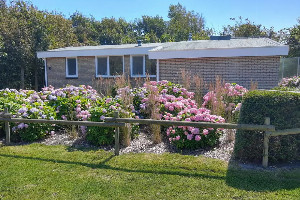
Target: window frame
point(67, 69)
point(144, 67)
point(108, 67)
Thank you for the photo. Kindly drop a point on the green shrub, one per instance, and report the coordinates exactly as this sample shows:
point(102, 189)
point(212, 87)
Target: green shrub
point(284, 110)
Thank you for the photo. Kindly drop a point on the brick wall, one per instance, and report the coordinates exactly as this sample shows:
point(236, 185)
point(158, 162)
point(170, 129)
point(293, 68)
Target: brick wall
point(241, 70)
point(86, 72)
point(57, 73)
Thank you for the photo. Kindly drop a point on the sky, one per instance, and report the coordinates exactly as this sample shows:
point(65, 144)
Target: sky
point(217, 13)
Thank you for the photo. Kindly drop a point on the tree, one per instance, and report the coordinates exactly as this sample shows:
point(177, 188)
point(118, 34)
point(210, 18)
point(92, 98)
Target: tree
point(150, 29)
point(84, 29)
point(112, 31)
point(183, 22)
point(246, 28)
point(24, 30)
point(294, 40)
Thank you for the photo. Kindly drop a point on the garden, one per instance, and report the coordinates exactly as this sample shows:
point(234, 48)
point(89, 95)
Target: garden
point(92, 165)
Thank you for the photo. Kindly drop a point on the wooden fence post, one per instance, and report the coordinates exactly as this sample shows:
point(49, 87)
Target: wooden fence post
point(266, 145)
point(7, 127)
point(117, 136)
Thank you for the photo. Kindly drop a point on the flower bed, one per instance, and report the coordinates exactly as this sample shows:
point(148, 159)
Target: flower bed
point(157, 100)
point(69, 103)
point(168, 101)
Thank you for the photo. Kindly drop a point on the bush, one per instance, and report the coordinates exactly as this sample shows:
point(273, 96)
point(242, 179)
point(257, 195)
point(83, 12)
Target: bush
point(290, 83)
point(225, 100)
point(27, 104)
point(168, 101)
point(69, 103)
point(284, 110)
point(106, 108)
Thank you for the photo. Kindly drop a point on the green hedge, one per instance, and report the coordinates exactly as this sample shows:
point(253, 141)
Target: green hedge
point(284, 110)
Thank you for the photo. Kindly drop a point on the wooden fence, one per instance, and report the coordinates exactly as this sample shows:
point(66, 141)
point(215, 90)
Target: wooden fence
point(116, 122)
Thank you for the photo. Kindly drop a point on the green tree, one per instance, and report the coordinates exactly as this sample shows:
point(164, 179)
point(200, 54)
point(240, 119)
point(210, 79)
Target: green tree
point(183, 22)
point(24, 30)
point(246, 28)
point(112, 31)
point(294, 40)
point(84, 29)
point(150, 29)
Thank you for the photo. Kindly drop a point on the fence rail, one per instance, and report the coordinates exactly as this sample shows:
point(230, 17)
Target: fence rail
point(116, 122)
point(193, 124)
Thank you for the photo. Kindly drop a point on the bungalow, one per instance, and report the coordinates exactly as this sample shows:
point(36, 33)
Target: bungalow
point(235, 60)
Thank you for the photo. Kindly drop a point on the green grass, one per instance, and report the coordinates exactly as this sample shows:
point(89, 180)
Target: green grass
point(58, 172)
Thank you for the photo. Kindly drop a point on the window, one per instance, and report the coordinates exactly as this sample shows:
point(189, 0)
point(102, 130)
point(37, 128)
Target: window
point(109, 66)
point(141, 66)
point(138, 64)
point(71, 68)
point(101, 67)
point(150, 66)
point(115, 65)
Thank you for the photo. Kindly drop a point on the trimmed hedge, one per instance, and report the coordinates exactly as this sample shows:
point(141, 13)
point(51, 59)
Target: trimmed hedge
point(284, 110)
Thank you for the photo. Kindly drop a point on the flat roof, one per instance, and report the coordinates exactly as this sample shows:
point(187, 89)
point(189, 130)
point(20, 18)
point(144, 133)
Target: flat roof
point(183, 49)
point(101, 50)
point(120, 46)
point(217, 44)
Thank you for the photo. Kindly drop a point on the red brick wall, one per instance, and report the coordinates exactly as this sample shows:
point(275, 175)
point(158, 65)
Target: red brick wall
point(241, 70)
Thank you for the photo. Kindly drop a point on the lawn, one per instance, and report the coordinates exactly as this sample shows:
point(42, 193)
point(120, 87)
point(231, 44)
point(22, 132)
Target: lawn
point(58, 172)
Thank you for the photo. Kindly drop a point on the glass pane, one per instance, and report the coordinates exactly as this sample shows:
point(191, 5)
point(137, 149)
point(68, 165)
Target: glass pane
point(150, 66)
point(137, 65)
point(71, 66)
point(288, 67)
point(116, 65)
point(102, 66)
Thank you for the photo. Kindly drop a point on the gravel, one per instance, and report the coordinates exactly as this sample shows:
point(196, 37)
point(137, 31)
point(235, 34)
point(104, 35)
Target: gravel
point(144, 144)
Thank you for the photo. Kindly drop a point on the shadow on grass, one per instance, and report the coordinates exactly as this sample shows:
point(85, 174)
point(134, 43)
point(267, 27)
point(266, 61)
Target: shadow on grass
point(103, 165)
point(242, 179)
point(259, 180)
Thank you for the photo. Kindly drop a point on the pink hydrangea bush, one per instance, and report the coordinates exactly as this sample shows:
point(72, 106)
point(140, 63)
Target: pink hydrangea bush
point(190, 137)
point(27, 104)
point(175, 103)
point(225, 101)
point(70, 103)
point(292, 83)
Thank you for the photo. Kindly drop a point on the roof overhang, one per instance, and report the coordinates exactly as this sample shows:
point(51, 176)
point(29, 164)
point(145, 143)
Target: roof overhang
point(220, 52)
point(94, 52)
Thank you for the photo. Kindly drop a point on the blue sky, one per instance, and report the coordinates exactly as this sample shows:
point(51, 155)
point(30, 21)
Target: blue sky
point(277, 13)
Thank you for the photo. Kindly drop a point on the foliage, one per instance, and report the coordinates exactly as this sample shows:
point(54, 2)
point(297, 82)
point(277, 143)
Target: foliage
point(247, 28)
point(283, 109)
point(183, 22)
point(27, 104)
point(168, 101)
point(225, 100)
point(69, 103)
point(152, 28)
point(294, 40)
point(24, 30)
point(292, 83)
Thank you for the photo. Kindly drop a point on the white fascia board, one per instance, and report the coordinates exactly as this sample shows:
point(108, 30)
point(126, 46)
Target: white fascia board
point(236, 52)
point(94, 52)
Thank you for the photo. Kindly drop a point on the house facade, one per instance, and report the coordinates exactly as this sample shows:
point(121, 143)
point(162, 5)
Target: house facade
point(236, 60)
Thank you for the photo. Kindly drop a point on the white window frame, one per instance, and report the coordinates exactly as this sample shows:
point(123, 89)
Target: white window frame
point(108, 67)
point(67, 71)
point(144, 68)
